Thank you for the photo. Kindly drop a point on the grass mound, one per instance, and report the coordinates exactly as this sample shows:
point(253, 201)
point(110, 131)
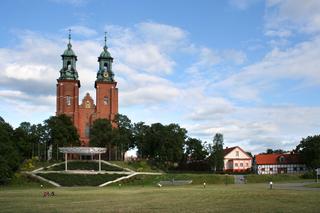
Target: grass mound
point(80, 179)
point(84, 165)
point(196, 179)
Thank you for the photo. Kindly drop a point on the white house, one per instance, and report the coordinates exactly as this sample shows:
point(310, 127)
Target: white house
point(236, 160)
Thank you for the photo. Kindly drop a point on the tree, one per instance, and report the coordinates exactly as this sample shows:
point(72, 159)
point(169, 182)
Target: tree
point(217, 154)
point(101, 134)
point(195, 151)
point(275, 151)
point(309, 148)
point(162, 143)
point(22, 140)
point(122, 135)
point(60, 132)
point(139, 139)
point(9, 157)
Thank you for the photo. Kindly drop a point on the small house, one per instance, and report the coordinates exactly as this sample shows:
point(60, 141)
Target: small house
point(236, 160)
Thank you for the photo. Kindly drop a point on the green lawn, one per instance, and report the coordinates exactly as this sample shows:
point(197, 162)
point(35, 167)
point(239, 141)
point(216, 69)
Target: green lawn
point(152, 180)
point(313, 185)
point(194, 198)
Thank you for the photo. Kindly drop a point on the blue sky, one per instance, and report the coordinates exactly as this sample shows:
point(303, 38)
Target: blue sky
point(249, 69)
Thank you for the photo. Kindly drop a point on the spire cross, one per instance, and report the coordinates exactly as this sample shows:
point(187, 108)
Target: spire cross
point(69, 35)
point(105, 39)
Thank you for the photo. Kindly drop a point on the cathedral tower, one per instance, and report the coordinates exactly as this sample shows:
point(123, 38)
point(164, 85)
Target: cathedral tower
point(106, 91)
point(68, 86)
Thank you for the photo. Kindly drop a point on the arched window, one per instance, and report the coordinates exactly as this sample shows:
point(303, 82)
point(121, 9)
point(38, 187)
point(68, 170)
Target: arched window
point(106, 100)
point(69, 65)
point(105, 66)
point(87, 130)
point(68, 100)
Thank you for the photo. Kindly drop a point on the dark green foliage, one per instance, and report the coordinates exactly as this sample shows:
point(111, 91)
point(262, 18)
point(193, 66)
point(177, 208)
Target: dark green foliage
point(60, 132)
point(195, 151)
point(101, 133)
point(80, 179)
point(122, 136)
point(311, 174)
point(139, 136)
point(162, 143)
point(84, 165)
point(9, 156)
point(217, 154)
point(309, 148)
point(275, 151)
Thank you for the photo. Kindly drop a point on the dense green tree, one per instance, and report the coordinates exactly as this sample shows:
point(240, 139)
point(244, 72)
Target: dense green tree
point(310, 150)
point(59, 132)
point(161, 143)
point(217, 154)
point(101, 135)
point(122, 135)
point(139, 139)
point(9, 157)
point(22, 140)
point(195, 150)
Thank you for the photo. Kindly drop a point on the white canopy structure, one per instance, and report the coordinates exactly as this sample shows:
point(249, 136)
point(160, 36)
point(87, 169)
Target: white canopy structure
point(82, 151)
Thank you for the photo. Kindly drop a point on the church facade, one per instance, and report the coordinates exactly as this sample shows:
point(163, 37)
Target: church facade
point(68, 85)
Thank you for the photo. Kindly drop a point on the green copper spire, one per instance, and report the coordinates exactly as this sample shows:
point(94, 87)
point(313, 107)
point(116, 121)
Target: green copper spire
point(105, 60)
point(69, 59)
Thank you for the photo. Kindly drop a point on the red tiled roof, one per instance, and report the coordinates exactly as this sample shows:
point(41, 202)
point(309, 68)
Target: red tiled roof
point(274, 159)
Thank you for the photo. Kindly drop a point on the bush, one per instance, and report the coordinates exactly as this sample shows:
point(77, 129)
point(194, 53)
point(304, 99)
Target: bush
point(311, 174)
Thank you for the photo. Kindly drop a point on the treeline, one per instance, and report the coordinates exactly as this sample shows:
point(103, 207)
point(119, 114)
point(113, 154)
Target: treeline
point(28, 141)
point(167, 146)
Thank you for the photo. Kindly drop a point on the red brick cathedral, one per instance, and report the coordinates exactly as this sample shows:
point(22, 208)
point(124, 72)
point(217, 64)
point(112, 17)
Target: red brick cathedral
point(68, 86)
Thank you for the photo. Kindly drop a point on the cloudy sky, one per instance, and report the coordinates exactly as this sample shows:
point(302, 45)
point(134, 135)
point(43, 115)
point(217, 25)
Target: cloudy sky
point(249, 69)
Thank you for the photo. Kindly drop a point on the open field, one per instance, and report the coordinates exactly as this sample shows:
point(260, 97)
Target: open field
point(193, 198)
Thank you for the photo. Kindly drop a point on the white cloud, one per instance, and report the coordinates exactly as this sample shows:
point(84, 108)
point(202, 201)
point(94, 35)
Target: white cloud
point(297, 15)
point(235, 56)
point(296, 63)
point(259, 128)
point(82, 30)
